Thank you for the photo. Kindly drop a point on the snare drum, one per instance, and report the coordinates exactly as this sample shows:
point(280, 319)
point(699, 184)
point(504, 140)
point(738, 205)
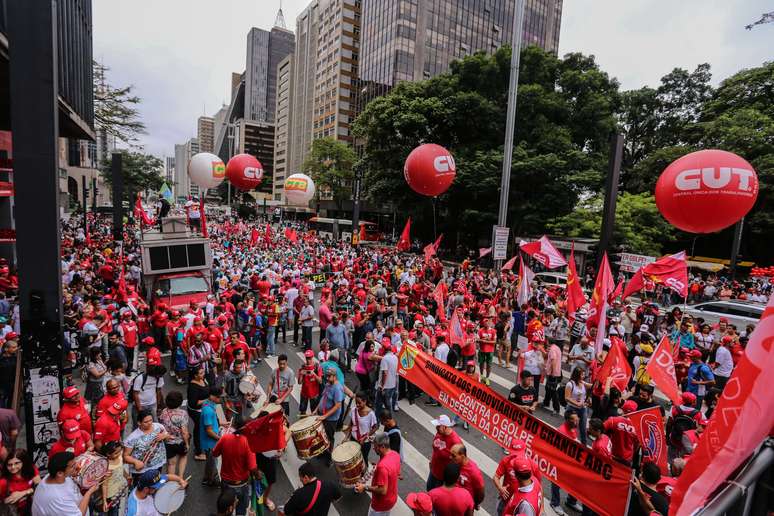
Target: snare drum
point(349, 463)
point(248, 384)
point(309, 437)
point(90, 467)
point(169, 497)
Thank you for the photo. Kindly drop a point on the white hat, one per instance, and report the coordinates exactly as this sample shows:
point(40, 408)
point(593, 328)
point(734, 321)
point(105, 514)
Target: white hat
point(644, 327)
point(443, 420)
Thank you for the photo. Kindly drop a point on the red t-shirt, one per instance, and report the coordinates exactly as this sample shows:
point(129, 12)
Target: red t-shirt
point(263, 287)
point(603, 447)
point(622, 435)
point(442, 445)
point(451, 502)
point(310, 387)
point(76, 412)
point(78, 447)
point(106, 401)
point(230, 349)
point(487, 337)
point(386, 473)
point(107, 429)
point(15, 484)
point(238, 460)
point(569, 432)
point(471, 479)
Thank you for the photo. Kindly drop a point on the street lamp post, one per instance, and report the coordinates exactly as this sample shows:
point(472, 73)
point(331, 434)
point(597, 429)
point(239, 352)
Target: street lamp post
point(510, 123)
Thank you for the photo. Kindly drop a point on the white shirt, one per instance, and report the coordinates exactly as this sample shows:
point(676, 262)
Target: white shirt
point(137, 507)
point(725, 362)
point(57, 499)
point(389, 363)
point(147, 394)
point(362, 425)
point(442, 352)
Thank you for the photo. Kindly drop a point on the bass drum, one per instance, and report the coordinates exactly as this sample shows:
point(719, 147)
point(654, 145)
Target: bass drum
point(350, 466)
point(309, 437)
point(90, 467)
point(169, 497)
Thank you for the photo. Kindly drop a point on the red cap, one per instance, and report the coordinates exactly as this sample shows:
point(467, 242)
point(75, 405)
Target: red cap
point(420, 502)
point(222, 318)
point(727, 339)
point(629, 406)
point(695, 353)
point(126, 315)
point(689, 398)
point(12, 335)
point(723, 319)
point(175, 313)
point(117, 407)
point(70, 392)
point(71, 429)
point(309, 353)
point(197, 320)
point(518, 445)
point(149, 341)
point(521, 464)
point(470, 362)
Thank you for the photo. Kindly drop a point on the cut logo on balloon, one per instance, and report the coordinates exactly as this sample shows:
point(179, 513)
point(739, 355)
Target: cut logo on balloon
point(296, 184)
point(218, 169)
point(444, 165)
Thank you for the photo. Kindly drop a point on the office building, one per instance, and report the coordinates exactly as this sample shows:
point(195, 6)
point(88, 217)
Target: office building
point(205, 129)
point(265, 50)
point(257, 139)
point(169, 175)
point(183, 154)
point(304, 68)
point(282, 127)
point(412, 40)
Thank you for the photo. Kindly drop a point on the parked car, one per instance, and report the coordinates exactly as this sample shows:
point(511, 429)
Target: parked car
point(739, 313)
point(550, 279)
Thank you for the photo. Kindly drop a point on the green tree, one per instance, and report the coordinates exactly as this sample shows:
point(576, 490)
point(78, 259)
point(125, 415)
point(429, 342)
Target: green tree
point(639, 227)
point(142, 172)
point(330, 164)
point(115, 109)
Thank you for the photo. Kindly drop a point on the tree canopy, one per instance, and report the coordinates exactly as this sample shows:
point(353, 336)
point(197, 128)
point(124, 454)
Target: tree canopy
point(330, 164)
point(115, 109)
point(141, 172)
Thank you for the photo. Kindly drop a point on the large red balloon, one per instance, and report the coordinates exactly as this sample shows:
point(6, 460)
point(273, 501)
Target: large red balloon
point(706, 191)
point(244, 171)
point(430, 169)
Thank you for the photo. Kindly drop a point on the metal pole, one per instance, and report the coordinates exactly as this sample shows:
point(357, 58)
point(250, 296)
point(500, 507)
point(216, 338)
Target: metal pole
point(435, 230)
point(737, 242)
point(510, 124)
point(32, 33)
point(117, 178)
point(85, 203)
point(94, 195)
point(356, 203)
point(611, 195)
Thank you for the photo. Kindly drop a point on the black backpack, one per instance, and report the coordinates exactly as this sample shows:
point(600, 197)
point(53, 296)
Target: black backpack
point(679, 424)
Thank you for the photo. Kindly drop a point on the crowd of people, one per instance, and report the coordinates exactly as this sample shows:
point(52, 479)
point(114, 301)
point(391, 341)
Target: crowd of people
point(350, 310)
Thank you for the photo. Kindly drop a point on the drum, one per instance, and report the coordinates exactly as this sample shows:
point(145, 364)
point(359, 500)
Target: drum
point(270, 408)
point(169, 497)
point(309, 437)
point(349, 463)
point(248, 384)
point(90, 467)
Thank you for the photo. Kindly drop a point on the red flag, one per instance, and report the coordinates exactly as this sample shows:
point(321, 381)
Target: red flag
point(404, 244)
point(661, 369)
point(203, 217)
point(616, 292)
point(544, 252)
point(267, 234)
point(575, 296)
point(254, 236)
point(510, 263)
point(293, 237)
point(438, 296)
point(456, 333)
point(598, 310)
point(437, 243)
point(671, 271)
point(483, 251)
point(287, 233)
point(121, 294)
point(429, 251)
point(266, 433)
point(742, 419)
point(139, 212)
point(649, 427)
point(617, 366)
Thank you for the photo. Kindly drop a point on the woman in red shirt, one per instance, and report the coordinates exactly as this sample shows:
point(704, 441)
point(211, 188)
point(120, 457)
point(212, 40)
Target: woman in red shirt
point(19, 476)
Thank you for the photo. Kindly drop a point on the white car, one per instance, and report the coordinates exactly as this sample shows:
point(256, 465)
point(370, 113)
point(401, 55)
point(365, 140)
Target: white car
point(739, 313)
point(551, 279)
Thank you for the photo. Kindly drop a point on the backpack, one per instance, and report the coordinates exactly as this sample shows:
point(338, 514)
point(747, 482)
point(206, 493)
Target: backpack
point(561, 394)
point(641, 376)
point(679, 424)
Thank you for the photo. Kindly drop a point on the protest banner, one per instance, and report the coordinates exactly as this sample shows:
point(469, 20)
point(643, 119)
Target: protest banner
point(602, 485)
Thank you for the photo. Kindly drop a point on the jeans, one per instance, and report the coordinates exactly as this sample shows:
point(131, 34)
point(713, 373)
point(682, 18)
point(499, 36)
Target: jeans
point(270, 335)
point(384, 400)
point(244, 496)
point(552, 395)
point(582, 415)
point(306, 336)
point(305, 402)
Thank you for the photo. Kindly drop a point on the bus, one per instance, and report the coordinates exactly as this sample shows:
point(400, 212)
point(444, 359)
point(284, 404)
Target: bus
point(324, 227)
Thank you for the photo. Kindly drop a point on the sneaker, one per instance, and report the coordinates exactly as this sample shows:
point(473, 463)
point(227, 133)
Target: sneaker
point(172, 374)
point(396, 409)
point(574, 506)
point(558, 510)
point(506, 452)
point(466, 426)
point(487, 381)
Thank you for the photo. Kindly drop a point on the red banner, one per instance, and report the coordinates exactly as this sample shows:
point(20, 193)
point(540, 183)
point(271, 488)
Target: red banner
point(615, 366)
point(661, 368)
point(649, 426)
point(600, 484)
point(742, 419)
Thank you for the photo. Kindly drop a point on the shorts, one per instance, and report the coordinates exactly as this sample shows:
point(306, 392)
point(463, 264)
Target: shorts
point(267, 466)
point(484, 357)
point(503, 344)
point(175, 449)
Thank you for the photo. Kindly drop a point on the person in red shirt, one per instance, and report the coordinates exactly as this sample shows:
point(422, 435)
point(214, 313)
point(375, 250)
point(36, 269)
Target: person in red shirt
point(622, 433)
point(443, 441)
point(238, 462)
point(263, 286)
point(487, 336)
point(505, 478)
point(159, 325)
point(603, 446)
point(450, 499)
point(74, 408)
point(109, 425)
point(18, 478)
point(527, 498)
point(470, 474)
point(73, 440)
point(128, 330)
point(152, 354)
point(420, 503)
point(570, 429)
point(310, 379)
point(114, 394)
point(230, 349)
point(384, 483)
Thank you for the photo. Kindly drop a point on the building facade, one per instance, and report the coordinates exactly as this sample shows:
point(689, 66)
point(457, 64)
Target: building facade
point(183, 154)
point(257, 139)
point(205, 133)
point(265, 50)
point(282, 127)
point(169, 171)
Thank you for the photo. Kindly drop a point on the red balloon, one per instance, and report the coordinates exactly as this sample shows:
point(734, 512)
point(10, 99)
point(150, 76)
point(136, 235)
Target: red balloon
point(244, 171)
point(429, 170)
point(706, 191)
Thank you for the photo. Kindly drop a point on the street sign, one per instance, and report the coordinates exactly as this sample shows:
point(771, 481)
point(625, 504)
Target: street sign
point(631, 262)
point(500, 242)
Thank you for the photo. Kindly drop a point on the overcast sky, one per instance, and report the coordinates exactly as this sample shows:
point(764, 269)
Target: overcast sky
point(179, 54)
